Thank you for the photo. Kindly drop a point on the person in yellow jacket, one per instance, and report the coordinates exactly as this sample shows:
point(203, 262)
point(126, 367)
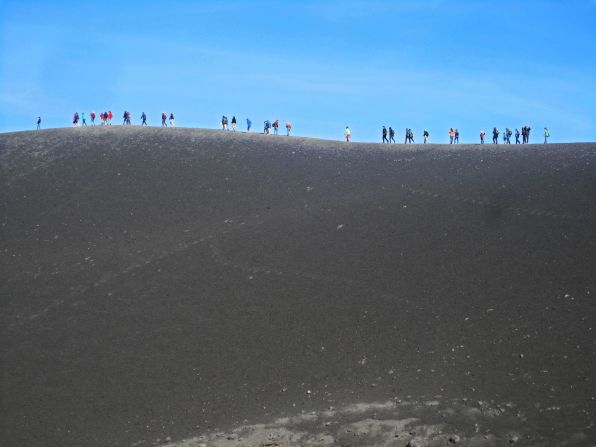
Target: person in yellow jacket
point(348, 134)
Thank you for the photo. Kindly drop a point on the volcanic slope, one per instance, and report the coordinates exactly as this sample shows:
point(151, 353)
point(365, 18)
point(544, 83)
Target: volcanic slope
point(191, 287)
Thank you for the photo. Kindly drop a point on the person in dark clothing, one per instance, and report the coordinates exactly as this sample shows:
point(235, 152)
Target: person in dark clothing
point(391, 135)
point(528, 134)
point(517, 136)
point(143, 119)
point(425, 135)
point(407, 136)
point(385, 139)
point(38, 122)
point(456, 136)
point(234, 123)
point(495, 135)
point(411, 135)
point(248, 124)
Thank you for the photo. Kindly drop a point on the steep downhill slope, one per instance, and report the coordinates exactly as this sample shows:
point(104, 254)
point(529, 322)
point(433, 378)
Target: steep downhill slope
point(162, 284)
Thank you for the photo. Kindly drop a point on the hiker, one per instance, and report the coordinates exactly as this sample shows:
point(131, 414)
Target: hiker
point(425, 135)
point(508, 133)
point(348, 134)
point(505, 137)
point(495, 135)
point(248, 124)
point(456, 141)
point(391, 135)
point(143, 119)
point(288, 128)
point(407, 136)
point(385, 139)
point(172, 120)
point(266, 127)
point(124, 116)
point(526, 134)
point(38, 122)
point(101, 118)
point(482, 134)
point(275, 126)
point(517, 136)
point(234, 123)
point(411, 135)
point(451, 135)
point(110, 116)
point(83, 119)
point(75, 119)
point(92, 118)
point(546, 135)
point(164, 117)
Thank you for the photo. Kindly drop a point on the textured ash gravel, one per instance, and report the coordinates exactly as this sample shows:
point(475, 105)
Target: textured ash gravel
point(162, 284)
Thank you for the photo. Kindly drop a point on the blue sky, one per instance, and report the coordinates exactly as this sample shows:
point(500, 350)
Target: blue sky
point(322, 65)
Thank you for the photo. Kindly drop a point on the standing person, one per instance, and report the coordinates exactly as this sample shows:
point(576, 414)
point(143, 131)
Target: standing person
point(407, 136)
point(248, 124)
point(391, 135)
point(110, 116)
point(546, 135)
point(517, 136)
point(451, 135)
point(164, 117)
point(425, 135)
point(234, 123)
point(92, 118)
point(101, 118)
point(172, 120)
point(505, 137)
point(348, 134)
point(267, 127)
point(83, 119)
point(456, 141)
point(105, 118)
point(482, 134)
point(288, 128)
point(411, 136)
point(143, 119)
point(124, 116)
point(38, 122)
point(385, 139)
point(75, 119)
point(495, 135)
point(528, 129)
point(275, 126)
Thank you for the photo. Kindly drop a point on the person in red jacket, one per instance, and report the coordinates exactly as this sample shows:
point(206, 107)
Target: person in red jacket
point(288, 128)
point(275, 127)
point(110, 116)
point(92, 118)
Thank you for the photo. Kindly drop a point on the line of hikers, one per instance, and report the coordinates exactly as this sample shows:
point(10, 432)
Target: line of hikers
point(388, 135)
point(267, 126)
point(409, 135)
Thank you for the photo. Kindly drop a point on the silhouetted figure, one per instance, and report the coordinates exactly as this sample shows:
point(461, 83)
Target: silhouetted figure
point(385, 139)
point(248, 124)
point(425, 135)
point(456, 141)
point(517, 134)
point(172, 120)
point(38, 122)
point(234, 123)
point(482, 134)
point(391, 135)
point(143, 119)
point(495, 135)
point(546, 135)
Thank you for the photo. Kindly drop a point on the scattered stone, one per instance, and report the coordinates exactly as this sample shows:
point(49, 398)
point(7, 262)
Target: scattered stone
point(453, 439)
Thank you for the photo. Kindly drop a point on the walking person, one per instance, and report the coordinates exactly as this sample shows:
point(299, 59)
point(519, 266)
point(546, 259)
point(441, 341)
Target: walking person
point(124, 116)
point(92, 118)
point(385, 139)
point(38, 122)
point(143, 119)
point(110, 116)
point(75, 119)
point(546, 135)
point(411, 135)
point(234, 123)
point(83, 119)
point(528, 129)
point(391, 135)
point(517, 136)
point(164, 117)
point(451, 135)
point(425, 135)
point(172, 120)
point(482, 134)
point(495, 135)
point(248, 124)
point(275, 126)
point(456, 141)
point(407, 140)
point(348, 134)
point(288, 128)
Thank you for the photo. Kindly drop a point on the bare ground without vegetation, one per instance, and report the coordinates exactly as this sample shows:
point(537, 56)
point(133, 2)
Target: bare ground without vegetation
point(188, 288)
